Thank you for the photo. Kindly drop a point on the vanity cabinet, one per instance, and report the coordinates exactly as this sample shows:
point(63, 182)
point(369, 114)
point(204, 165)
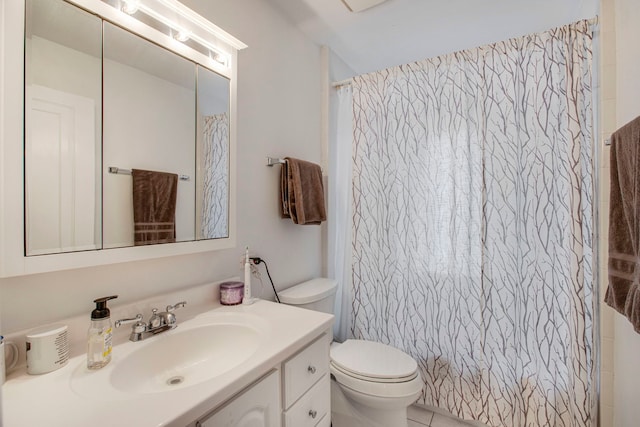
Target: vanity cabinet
point(303, 401)
point(281, 381)
point(259, 406)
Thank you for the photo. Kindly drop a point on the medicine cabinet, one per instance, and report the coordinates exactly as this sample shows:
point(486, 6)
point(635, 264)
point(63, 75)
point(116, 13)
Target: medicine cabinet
point(93, 89)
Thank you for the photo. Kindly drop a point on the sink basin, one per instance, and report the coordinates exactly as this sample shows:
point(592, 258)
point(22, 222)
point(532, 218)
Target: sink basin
point(183, 357)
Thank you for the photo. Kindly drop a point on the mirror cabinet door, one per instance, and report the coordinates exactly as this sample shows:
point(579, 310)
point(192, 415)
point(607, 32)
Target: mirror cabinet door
point(149, 124)
point(99, 100)
point(63, 86)
point(212, 201)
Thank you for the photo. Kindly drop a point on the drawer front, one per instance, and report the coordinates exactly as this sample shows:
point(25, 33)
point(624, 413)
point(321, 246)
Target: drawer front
point(304, 369)
point(313, 409)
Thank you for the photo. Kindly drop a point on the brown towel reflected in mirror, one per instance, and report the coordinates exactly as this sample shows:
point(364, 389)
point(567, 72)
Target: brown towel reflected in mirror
point(302, 192)
point(154, 207)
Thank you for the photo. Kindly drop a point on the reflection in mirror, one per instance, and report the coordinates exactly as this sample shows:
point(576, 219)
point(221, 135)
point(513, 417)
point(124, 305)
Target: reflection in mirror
point(149, 110)
point(63, 51)
point(212, 208)
point(100, 98)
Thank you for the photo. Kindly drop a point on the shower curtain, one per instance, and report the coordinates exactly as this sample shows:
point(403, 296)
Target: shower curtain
point(215, 211)
point(473, 226)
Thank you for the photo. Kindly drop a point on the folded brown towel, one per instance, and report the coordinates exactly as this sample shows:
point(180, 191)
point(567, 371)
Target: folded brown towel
point(623, 292)
point(154, 207)
point(302, 192)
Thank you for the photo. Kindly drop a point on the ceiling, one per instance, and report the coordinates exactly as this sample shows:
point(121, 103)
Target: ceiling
point(401, 31)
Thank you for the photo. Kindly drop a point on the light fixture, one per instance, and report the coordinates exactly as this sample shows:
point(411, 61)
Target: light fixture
point(130, 6)
point(181, 35)
point(220, 59)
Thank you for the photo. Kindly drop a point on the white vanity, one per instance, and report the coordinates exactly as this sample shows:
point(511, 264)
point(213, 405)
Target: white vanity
point(275, 373)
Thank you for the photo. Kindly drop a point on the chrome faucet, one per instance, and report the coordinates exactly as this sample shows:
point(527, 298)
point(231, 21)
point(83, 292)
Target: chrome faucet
point(157, 323)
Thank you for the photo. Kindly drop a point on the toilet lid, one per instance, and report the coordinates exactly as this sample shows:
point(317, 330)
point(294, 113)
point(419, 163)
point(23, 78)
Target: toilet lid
point(373, 360)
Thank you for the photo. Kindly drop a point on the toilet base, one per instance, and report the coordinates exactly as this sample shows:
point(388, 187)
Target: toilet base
point(349, 412)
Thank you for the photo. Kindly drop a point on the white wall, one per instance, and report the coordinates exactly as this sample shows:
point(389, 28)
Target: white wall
point(278, 115)
point(626, 369)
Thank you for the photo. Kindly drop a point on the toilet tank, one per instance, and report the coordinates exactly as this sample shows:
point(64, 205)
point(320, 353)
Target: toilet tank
point(316, 294)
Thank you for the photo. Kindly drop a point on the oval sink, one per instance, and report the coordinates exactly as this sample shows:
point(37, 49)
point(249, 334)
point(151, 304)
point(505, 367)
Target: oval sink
point(185, 358)
point(196, 351)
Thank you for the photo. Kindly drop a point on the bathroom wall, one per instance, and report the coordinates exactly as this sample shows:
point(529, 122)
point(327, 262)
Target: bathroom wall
point(278, 115)
point(626, 347)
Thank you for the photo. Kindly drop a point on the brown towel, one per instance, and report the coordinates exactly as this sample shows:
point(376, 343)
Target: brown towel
point(623, 292)
point(154, 207)
point(302, 192)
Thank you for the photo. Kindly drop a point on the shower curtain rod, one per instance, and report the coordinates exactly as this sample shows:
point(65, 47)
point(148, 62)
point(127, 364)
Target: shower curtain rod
point(347, 82)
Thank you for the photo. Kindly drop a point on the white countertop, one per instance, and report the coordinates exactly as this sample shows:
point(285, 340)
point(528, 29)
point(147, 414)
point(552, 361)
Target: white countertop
point(51, 400)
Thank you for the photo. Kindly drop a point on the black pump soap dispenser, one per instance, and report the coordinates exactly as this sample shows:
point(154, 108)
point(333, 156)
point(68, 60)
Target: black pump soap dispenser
point(99, 335)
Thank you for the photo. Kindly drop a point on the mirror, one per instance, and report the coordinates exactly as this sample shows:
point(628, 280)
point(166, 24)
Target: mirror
point(63, 102)
point(116, 100)
point(213, 155)
point(149, 124)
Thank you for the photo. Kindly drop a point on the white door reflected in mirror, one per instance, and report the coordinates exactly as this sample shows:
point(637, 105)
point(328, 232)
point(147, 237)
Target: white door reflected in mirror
point(60, 160)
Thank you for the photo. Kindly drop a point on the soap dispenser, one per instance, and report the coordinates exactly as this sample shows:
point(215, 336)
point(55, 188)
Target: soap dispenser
point(99, 336)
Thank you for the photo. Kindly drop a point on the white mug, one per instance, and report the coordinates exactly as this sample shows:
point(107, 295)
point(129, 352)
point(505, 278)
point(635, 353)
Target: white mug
point(47, 349)
point(7, 363)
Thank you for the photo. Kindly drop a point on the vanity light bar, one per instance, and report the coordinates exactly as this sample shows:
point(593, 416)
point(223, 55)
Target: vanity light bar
point(217, 54)
point(198, 20)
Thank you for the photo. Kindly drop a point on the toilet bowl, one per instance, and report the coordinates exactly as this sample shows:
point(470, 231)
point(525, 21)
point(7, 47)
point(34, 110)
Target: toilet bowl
point(372, 383)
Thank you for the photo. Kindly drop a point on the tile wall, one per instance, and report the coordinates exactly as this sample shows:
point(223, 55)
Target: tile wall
point(607, 126)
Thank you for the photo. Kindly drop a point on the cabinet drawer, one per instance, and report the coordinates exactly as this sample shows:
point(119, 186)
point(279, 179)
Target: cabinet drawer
point(305, 369)
point(314, 408)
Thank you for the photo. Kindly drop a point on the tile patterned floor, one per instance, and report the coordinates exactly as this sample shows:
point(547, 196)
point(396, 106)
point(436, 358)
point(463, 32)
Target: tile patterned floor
point(418, 416)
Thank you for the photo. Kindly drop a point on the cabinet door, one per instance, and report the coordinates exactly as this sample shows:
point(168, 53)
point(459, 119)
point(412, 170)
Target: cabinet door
point(258, 406)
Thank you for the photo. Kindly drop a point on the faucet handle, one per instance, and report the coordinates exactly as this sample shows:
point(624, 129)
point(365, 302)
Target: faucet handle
point(121, 322)
point(139, 327)
point(169, 317)
point(155, 320)
point(180, 304)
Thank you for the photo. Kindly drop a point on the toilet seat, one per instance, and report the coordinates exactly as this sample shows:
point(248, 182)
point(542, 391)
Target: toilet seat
point(385, 390)
point(373, 361)
point(374, 369)
point(335, 367)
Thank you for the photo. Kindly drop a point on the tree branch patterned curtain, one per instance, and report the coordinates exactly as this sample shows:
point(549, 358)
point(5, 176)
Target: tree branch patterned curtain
point(473, 226)
point(215, 211)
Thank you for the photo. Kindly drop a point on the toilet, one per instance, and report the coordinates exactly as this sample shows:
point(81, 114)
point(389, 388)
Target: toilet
point(372, 383)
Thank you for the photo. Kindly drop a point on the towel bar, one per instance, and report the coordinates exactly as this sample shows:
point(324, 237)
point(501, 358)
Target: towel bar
point(275, 161)
point(120, 171)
